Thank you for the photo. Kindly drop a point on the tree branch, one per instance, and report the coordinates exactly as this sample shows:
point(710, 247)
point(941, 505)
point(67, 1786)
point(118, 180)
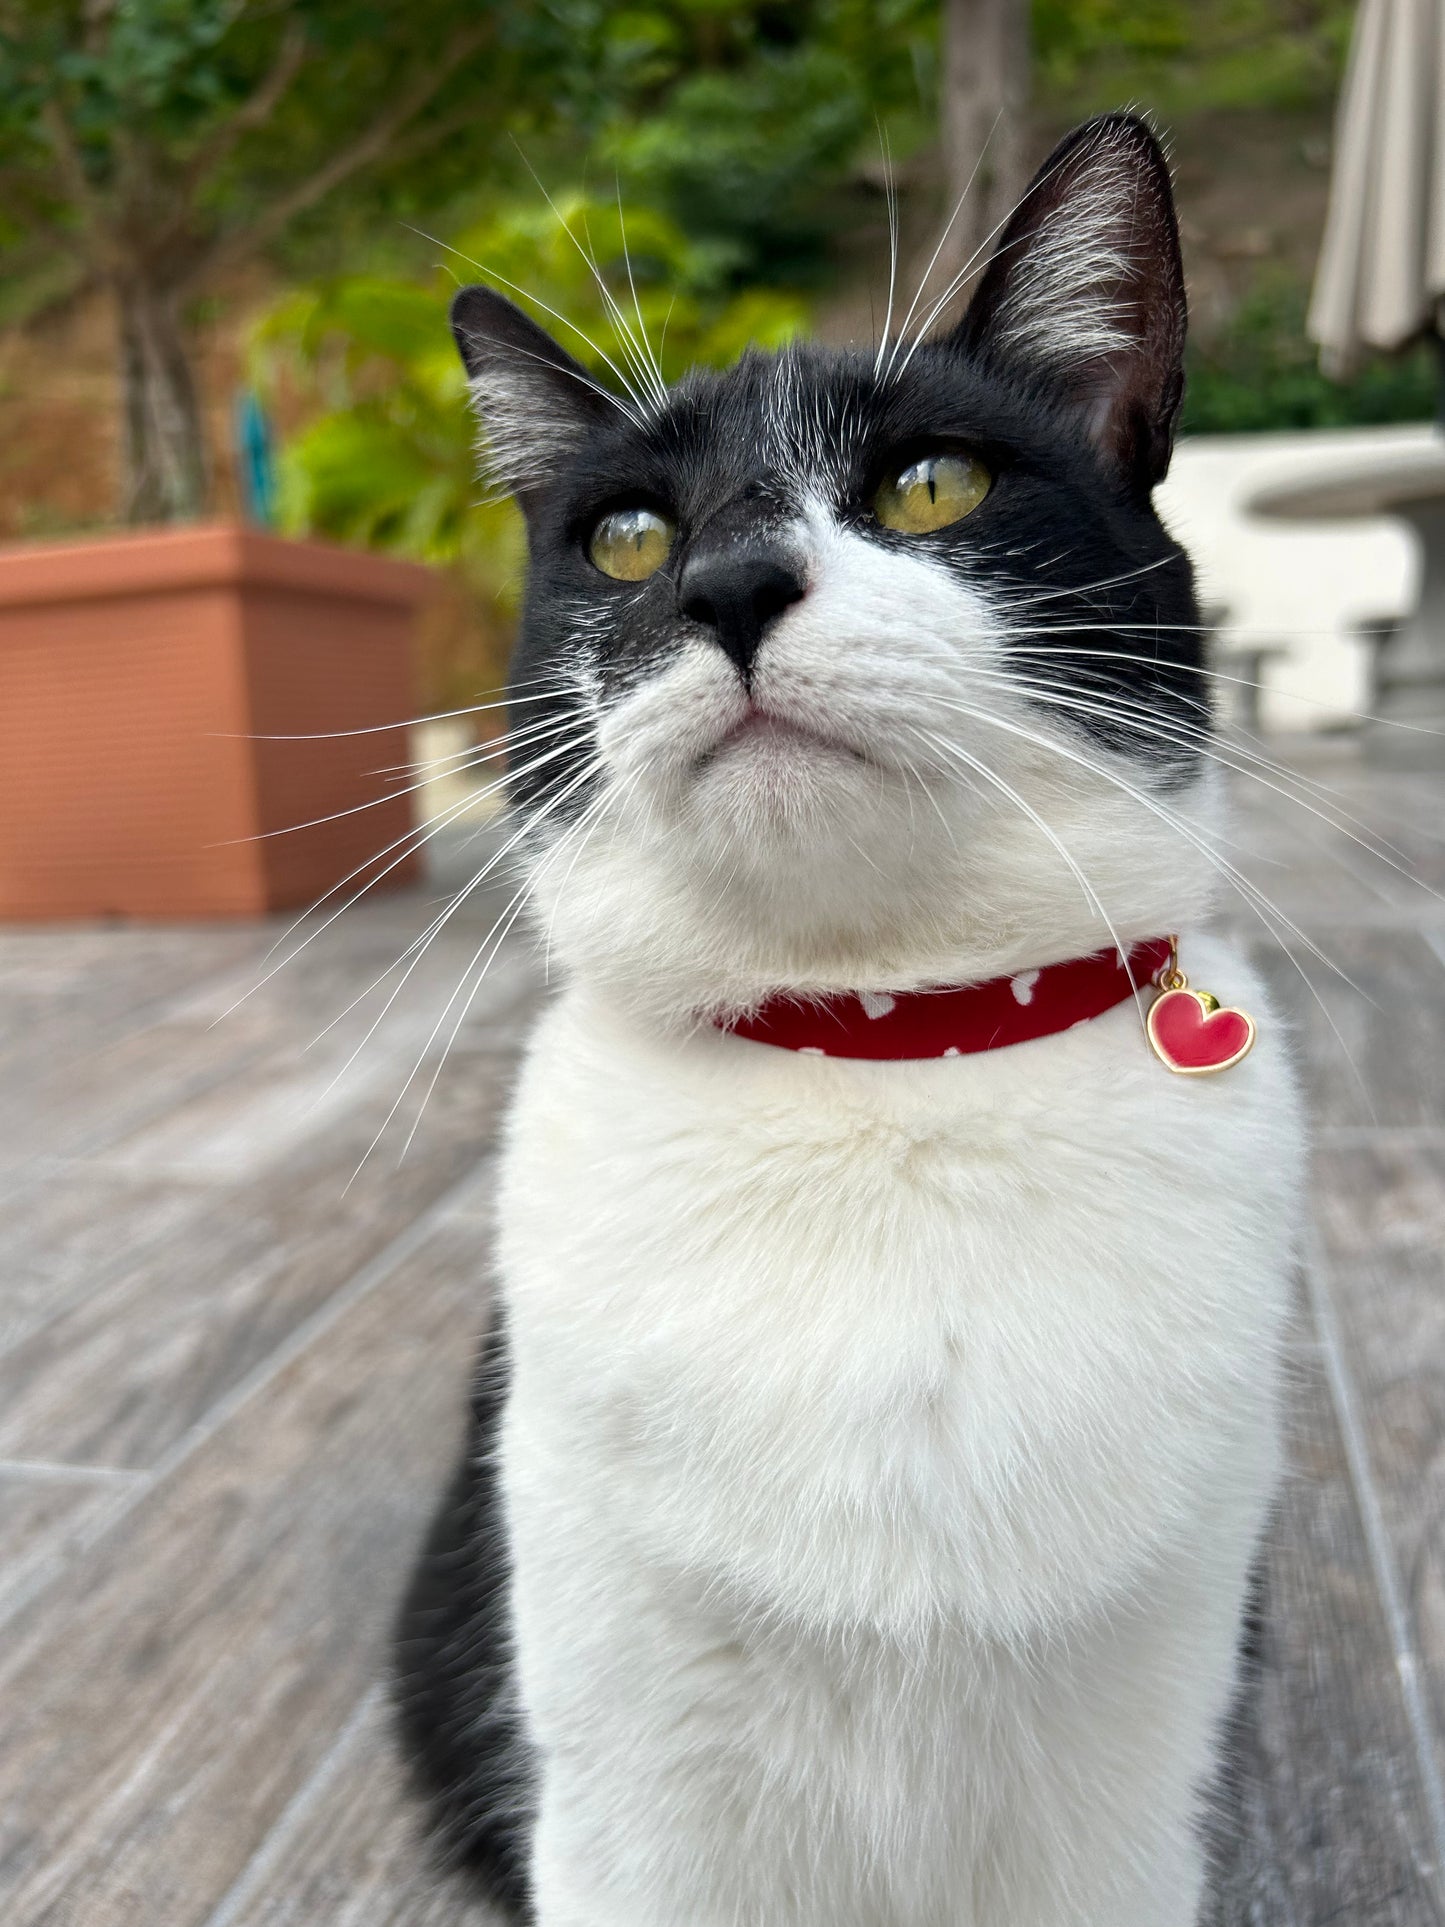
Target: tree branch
point(71, 166)
point(370, 147)
point(253, 112)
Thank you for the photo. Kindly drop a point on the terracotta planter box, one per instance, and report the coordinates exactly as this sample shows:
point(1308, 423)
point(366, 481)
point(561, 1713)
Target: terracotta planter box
point(138, 674)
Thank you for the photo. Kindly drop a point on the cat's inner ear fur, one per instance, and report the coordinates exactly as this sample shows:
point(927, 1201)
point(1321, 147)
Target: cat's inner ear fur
point(1085, 293)
point(535, 404)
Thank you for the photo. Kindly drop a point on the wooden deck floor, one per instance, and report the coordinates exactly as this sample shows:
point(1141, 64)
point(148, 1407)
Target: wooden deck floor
point(232, 1370)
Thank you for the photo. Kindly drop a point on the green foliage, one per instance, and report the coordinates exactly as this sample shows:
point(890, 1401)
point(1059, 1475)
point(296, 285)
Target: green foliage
point(762, 113)
point(1262, 372)
point(389, 462)
point(1185, 55)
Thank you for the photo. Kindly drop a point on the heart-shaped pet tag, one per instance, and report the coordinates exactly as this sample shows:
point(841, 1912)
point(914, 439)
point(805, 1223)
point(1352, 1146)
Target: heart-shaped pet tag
point(1193, 1034)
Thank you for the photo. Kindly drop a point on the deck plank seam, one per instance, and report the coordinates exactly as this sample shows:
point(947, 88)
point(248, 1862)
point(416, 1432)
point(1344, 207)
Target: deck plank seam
point(293, 1815)
point(1345, 1400)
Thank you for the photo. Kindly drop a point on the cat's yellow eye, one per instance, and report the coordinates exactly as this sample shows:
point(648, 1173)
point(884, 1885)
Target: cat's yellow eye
point(931, 492)
point(631, 544)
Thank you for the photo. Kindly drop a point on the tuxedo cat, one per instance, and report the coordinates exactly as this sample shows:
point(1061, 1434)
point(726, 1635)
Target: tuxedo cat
point(876, 1426)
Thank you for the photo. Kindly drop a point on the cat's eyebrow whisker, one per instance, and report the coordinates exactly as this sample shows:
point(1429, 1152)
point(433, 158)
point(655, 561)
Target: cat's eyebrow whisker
point(942, 242)
point(652, 357)
point(641, 362)
point(581, 333)
point(973, 261)
point(890, 193)
point(627, 340)
point(992, 777)
point(501, 493)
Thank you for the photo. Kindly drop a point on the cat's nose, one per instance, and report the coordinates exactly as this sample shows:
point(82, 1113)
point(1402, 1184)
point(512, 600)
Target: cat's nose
point(739, 589)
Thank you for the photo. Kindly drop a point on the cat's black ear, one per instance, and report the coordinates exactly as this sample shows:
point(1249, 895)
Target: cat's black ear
point(1085, 293)
point(535, 403)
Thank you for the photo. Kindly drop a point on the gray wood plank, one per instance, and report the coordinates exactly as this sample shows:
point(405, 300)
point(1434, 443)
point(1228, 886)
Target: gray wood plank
point(122, 1374)
point(72, 1228)
point(44, 1512)
point(351, 1851)
point(58, 1100)
point(1371, 1048)
point(165, 1704)
point(1323, 1817)
point(1382, 1219)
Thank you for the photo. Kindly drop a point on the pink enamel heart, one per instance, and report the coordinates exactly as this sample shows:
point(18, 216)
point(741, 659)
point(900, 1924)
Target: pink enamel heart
point(1193, 1039)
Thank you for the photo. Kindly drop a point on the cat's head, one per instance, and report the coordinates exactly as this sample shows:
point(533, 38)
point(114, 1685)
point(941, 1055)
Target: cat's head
point(857, 669)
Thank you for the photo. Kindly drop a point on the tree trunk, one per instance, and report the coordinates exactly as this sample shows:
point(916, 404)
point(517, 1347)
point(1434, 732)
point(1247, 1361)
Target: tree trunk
point(985, 94)
point(166, 471)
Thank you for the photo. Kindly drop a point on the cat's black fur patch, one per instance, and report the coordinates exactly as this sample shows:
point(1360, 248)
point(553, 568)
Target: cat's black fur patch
point(455, 1684)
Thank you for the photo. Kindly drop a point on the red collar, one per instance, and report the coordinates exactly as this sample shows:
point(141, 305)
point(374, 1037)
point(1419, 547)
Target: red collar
point(956, 1022)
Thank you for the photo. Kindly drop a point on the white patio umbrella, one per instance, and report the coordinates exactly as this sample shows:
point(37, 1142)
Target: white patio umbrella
point(1380, 282)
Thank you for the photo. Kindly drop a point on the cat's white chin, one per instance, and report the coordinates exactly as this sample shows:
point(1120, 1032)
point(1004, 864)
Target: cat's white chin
point(770, 776)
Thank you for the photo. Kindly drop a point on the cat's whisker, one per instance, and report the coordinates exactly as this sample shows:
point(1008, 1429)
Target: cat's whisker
point(1199, 669)
point(418, 944)
point(1144, 722)
point(548, 690)
point(1171, 818)
point(494, 746)
point(505, 922)
point(389, 795)
point(530, 824)
point(620, 797)
point(1053, 657)
point(415, 838)
point(1262, 905)
point(1006, 789)
point(1081, 590)
point(1239, 761)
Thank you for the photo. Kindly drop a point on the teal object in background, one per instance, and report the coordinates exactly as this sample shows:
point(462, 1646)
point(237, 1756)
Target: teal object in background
point(255, 459)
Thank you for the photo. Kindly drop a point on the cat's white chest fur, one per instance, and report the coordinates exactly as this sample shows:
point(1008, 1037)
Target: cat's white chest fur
point(887, 1448)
